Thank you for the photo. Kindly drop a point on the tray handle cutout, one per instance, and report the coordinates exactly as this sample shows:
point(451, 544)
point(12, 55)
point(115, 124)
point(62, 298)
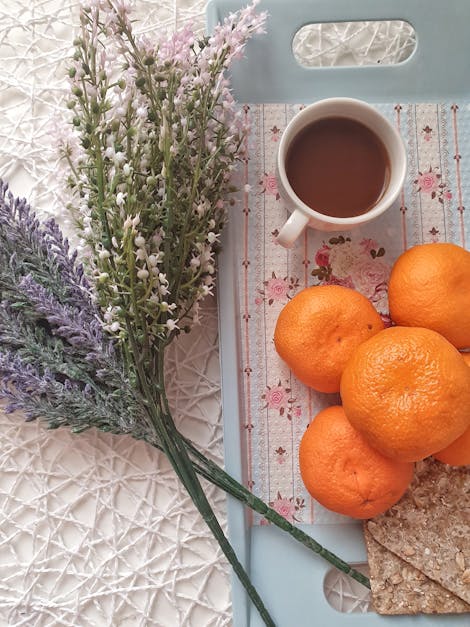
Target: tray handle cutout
point(348, 44)
point(437, 69)
point(354, 599)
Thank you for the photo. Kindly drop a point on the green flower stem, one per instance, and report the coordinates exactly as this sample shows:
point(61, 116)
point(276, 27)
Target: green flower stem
point(216, 475)
point(174, 447)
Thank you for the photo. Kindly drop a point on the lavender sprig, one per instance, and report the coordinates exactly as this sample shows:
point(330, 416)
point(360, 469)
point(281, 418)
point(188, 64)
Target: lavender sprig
point(39, 249)
point(76, 327)
point(50, 323)
point(37, 392)
point(34, 345)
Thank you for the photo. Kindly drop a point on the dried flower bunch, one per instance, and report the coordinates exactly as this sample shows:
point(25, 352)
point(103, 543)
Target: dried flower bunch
point(155, 137)
point(158, 137)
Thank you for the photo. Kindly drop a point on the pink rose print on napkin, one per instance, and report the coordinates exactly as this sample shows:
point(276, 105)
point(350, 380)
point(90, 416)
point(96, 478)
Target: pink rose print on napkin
point(427, 133)
point(357, 265)
point(434, 233)
point(277, 289)
point(275, 133)
point(370, 276)
point(280, 455)
point(430, 184)
point(287, 507)
point(322, 256)
point(277, 398)
point(368, 245)
point(269, 185)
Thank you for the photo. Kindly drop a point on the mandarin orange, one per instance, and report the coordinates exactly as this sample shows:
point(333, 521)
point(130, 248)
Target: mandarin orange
point(344, 473)
point(407, 390)
point(429, 287)
point(318, 330)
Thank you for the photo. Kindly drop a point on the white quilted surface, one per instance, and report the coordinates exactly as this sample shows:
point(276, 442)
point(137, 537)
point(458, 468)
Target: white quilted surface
point(94, 529)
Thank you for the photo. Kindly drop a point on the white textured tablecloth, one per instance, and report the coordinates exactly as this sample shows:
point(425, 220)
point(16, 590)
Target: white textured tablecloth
point(95, 530)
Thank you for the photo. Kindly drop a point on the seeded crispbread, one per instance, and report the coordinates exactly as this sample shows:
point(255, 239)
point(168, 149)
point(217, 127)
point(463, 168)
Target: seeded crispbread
point(399, 588)
point(429, 530)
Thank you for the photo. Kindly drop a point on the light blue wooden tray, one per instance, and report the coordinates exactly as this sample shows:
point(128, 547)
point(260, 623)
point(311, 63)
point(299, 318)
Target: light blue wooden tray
point(288, 576)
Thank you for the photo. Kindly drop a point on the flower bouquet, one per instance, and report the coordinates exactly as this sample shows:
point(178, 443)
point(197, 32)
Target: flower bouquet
point(155, 137)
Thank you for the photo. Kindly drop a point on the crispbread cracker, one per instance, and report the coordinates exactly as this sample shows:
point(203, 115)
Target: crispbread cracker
point(399, 588)
point(430, 526)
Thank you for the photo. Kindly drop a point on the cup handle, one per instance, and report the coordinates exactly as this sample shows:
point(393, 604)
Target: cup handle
point(291, 230)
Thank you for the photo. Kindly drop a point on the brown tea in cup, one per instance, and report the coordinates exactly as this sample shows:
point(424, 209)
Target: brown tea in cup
point(338, 167)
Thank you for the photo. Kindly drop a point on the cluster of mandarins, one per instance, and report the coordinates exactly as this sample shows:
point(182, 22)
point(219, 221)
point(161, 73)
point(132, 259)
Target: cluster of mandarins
point(405, 389)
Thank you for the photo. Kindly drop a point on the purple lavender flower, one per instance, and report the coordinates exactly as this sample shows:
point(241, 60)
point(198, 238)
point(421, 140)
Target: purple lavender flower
point(74, 326)
point(38, 393)
point(30, 247)
point(55, 359)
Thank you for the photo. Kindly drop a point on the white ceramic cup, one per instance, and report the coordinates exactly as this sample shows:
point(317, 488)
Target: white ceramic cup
point(301, 214)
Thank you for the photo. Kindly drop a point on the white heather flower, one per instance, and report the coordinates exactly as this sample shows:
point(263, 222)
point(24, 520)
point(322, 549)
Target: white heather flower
point(126, 169)
point(140, 254)
point(143, 274)
point(120, 199)
point(109, 152)
point(152, 260)
point(211, 224)
point(171, 325)
point(139, 241)
point(114, 327)
point(104, 254)
point(212, 237)
point(127, 226)
point(119, 158)
point(109, 313)
point(136, 220)
point(102, 277)
point(195, 262)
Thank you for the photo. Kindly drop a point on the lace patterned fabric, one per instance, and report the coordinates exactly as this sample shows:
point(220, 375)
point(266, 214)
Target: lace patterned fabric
point(95, 530)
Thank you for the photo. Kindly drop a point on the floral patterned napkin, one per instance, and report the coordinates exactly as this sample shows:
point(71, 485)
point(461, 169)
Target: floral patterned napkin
point(276, 407)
